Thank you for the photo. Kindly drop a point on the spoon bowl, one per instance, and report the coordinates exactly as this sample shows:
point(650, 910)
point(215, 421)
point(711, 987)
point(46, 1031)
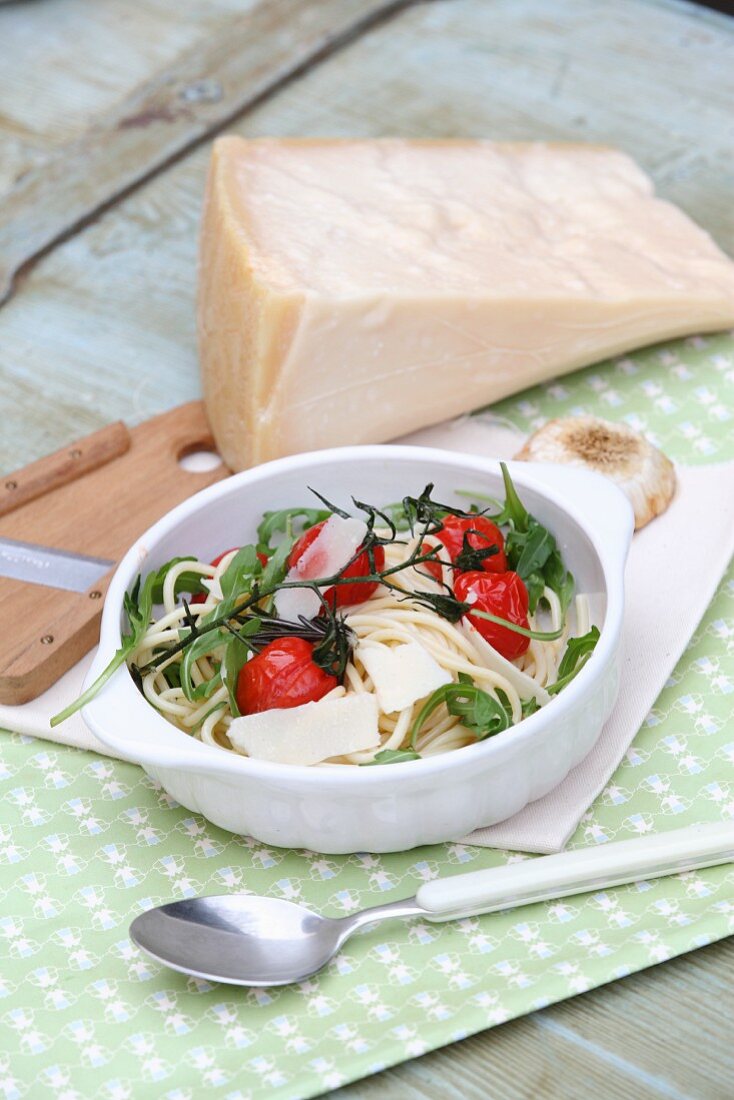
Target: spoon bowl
point(244, 939)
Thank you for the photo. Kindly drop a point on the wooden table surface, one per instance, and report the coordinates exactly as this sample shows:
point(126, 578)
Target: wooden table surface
point(106, 114)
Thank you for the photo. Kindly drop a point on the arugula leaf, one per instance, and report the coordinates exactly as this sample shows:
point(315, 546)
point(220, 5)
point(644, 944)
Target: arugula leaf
point(504, 699)
point(189, 583)
point(236, 649)
point(577, 654)
point(452, 609)
point(234, 658)
point(531, 549)
point(172, 674)
point(206, 688)
point(392, 756)
point(245, 573)
point(235, 655)
point(480, 713)
point(473, 496)
point(398, 517)
point(536, 549)
point(202, 646)
point(535, 583)
point(560, 580)
point(583, 646)
point(533, 553)
point(138, 607)
point(282, 522)
point(242, 570)
point(528, 553)
point(529, 706)
point(274, 572)
point(514, 511)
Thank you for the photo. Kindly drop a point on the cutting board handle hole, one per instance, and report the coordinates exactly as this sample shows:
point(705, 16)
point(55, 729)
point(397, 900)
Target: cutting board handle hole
point(199, 458)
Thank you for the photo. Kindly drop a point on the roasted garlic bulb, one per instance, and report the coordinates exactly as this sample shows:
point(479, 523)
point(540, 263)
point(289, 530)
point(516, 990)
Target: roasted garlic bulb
point(643, 472)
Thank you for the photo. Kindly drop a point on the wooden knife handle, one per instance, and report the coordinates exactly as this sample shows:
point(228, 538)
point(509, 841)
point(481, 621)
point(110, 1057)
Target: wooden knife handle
point(59, 629)
point(63, 466)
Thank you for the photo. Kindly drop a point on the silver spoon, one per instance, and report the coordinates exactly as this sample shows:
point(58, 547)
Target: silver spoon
point(244, 939)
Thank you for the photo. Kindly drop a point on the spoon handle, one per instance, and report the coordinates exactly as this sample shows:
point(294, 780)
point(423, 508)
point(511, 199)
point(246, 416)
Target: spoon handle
point(578, 871)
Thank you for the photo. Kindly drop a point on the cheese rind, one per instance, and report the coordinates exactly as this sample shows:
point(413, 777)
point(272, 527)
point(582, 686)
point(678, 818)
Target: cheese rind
point(354, 291)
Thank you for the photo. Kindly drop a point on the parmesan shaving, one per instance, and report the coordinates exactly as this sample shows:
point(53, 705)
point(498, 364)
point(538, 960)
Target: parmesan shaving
point(310, 733)
point(401, 674)
point(326, 556)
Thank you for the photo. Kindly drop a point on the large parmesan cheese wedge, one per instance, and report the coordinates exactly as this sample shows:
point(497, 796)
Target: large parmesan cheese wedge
point(310, 733)
point(353, 291)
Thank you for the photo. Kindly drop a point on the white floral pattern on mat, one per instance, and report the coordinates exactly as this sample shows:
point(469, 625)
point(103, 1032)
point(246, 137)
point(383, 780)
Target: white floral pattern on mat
point(86, 843)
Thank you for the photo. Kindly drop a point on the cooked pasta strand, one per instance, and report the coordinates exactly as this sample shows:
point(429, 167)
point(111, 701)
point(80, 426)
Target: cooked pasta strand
point(388, 618)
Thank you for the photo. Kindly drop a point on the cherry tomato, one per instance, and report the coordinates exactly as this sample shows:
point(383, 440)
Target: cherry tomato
point(344, 594)
point(200, 597)
point(501, 594)
point(282, 675)
point(432, 568)
point(483, 534)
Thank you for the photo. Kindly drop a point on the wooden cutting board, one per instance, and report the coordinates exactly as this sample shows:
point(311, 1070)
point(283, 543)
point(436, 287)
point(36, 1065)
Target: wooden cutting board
point(94, 497)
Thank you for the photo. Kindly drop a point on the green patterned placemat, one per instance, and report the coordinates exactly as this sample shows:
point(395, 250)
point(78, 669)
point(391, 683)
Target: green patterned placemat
point(86, 843)
point(681, 394)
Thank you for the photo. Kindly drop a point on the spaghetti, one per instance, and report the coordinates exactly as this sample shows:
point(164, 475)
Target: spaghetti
point(386, 619)
point(456, 623)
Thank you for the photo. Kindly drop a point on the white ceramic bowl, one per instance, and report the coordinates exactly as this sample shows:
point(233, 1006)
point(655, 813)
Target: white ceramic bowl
point(397, 806)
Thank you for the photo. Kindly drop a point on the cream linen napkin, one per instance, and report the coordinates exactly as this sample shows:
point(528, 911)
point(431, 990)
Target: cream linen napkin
point(665, 600)
point(33, 718)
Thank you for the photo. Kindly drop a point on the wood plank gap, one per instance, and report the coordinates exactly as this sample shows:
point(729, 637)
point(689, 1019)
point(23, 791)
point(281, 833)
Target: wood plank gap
point(202, 93)
point(615, 1062)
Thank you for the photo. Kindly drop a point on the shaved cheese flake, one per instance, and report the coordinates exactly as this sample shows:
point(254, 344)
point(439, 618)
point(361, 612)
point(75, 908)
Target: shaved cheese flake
point(327, 555)
point(401, 674)
point(310, 733)
point(296, 603)
point(525, 686)
point(332, 548)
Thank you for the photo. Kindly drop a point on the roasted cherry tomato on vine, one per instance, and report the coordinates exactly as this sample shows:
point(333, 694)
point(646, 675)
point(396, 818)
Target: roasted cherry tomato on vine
point(282, 675)
point(501, 594)
point(482, 534)
point(344, 594)
point(434, 569)
point(201, 596)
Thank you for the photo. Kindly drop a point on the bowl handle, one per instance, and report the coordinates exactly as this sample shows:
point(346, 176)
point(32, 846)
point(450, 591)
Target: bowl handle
point(601, 502)
point(118, 717)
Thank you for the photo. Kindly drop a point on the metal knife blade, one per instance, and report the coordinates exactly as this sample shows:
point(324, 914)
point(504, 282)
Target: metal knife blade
point(27, 561)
